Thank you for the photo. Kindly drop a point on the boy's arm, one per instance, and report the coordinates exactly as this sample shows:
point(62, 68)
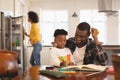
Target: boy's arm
point(72, 62)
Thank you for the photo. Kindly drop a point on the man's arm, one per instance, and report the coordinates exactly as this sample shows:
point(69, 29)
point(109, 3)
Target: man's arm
point(101, 56)
point(70, 43)
point(95, 33)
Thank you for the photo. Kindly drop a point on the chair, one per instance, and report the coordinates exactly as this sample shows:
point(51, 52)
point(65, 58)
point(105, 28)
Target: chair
point(8, 64)
point(116, 64)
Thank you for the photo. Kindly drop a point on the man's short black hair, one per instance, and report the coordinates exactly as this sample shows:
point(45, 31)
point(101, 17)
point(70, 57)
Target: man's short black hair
point(33, 16)
point(60, 32)
point(83, 26)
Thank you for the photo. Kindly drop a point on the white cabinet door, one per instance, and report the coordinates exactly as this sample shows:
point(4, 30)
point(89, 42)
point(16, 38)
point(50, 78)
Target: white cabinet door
point(7, 6)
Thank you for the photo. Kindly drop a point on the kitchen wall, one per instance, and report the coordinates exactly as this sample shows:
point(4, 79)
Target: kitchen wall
point(14, 7)
point(9, 9)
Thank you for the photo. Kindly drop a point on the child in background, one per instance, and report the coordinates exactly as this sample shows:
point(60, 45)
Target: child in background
point(59, 55)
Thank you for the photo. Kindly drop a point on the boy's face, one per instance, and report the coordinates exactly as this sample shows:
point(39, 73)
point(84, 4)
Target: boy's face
point(60, 40)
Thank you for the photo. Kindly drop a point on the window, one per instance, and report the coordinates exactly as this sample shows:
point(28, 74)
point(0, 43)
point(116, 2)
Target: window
point(50, 21)
point(96, 20)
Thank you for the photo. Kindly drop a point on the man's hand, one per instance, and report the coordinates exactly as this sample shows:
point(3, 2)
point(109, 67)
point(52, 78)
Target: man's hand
point(95, 33)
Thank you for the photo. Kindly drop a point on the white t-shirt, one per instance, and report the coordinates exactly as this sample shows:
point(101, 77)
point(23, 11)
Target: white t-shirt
point(58, 55)
point(78, 55)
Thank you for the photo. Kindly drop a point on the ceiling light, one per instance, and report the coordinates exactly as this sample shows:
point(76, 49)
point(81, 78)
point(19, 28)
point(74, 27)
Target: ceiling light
point(74, 14)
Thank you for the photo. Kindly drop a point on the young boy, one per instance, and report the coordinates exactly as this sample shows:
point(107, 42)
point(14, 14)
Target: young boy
point(59, 55)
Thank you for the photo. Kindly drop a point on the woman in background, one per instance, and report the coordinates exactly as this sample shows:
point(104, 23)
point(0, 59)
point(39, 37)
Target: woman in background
point(35, 38)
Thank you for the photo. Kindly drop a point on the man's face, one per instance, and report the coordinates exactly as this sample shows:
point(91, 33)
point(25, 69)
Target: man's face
point(60, 40)
point(81, 37)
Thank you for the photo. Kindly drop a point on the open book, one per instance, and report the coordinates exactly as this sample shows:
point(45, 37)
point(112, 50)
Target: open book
point(89, 67)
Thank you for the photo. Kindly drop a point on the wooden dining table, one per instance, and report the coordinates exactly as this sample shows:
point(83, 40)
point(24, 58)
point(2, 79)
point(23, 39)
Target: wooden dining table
point(34, 74)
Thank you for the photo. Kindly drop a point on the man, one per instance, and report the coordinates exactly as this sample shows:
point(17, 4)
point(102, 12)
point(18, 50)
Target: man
point(84, 49)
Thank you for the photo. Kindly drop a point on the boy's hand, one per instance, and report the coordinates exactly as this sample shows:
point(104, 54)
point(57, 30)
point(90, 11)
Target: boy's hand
point(54, 44)
point(63, 64)
point(71, 64)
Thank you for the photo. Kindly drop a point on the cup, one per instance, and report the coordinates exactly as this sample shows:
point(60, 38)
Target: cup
point(116, 65)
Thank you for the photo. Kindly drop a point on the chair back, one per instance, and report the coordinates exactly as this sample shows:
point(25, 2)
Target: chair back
point(116, 65)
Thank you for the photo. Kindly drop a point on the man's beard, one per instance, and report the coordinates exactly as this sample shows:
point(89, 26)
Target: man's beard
point(81, 44)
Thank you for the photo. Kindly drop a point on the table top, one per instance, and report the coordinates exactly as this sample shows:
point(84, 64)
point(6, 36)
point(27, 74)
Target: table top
point(33, 74)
